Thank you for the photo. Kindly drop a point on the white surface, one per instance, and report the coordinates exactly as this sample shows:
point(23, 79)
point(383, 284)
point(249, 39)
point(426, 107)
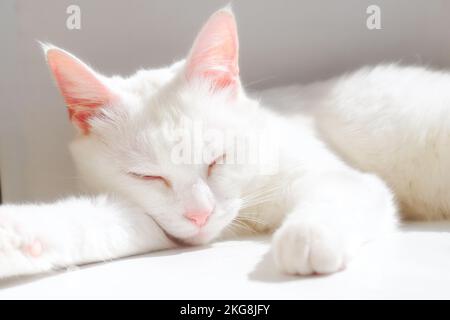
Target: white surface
point(412, 264)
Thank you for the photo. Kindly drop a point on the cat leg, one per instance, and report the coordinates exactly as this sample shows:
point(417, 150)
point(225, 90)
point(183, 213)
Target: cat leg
point(44, 237)
point(333, 215)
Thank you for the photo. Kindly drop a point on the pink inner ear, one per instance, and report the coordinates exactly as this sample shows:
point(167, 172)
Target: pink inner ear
point(82, 90)
point(215, 52)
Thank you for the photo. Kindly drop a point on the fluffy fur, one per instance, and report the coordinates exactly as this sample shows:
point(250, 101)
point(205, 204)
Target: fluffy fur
point(339, 145)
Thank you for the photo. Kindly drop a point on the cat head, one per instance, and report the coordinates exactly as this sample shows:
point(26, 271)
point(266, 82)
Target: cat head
point(166, 139)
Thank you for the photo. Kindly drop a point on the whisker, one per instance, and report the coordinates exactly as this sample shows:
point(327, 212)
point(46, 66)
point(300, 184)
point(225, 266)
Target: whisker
point(239, 224)
point(249, 84)
point(251, 219)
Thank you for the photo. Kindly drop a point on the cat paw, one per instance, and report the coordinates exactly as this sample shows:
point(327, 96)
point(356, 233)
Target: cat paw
point(301, 248)
point(12, 240)
point(19, 252)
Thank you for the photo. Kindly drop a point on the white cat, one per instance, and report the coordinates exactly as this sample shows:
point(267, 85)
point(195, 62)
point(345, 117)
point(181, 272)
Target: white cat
point(321, 195)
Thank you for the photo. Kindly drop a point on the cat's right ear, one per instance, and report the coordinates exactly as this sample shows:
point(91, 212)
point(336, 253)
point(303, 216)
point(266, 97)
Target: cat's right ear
point(84, 91)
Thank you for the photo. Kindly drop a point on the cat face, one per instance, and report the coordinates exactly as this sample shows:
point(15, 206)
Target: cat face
point(169, 139)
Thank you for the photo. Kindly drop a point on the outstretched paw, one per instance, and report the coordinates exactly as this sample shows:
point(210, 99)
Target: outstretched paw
point(13, 240)
point(20, 251)
point(308, 248)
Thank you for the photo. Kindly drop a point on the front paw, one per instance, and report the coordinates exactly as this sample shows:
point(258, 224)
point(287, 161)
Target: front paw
point(19, 251)
point(309, 248)
point(13, 239)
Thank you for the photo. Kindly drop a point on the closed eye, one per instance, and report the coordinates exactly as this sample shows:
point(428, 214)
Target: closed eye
point(150, 178)
point(218, 160)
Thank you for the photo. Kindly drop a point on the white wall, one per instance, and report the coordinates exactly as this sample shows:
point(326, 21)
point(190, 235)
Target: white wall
point(281, 42)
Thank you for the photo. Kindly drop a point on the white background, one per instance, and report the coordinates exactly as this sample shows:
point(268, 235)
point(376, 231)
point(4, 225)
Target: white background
point(281, 42)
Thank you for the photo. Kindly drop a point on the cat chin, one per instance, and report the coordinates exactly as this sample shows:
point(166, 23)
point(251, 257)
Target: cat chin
point(199, 238)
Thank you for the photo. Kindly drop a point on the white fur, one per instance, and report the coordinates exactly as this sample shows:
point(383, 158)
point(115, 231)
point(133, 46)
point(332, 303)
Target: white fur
point(73, 231)
point(337, 140)
point(332, 208)
point(390, 120)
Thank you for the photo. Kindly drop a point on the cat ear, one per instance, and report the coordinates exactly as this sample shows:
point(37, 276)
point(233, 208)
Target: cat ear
point(214, 55)
point(82, 88)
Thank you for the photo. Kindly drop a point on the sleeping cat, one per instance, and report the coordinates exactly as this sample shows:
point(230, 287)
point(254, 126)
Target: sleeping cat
point(318, 179)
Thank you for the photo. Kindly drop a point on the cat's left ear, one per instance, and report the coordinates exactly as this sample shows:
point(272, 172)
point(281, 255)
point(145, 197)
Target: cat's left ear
point(214, 55)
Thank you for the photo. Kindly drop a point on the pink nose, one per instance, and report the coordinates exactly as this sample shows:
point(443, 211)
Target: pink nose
point(198, 218)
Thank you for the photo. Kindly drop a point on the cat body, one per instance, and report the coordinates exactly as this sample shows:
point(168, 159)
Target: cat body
point(316, 161)
point(390, 120)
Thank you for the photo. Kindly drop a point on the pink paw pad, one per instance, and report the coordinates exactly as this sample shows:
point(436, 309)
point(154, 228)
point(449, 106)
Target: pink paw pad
point(34, 249)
